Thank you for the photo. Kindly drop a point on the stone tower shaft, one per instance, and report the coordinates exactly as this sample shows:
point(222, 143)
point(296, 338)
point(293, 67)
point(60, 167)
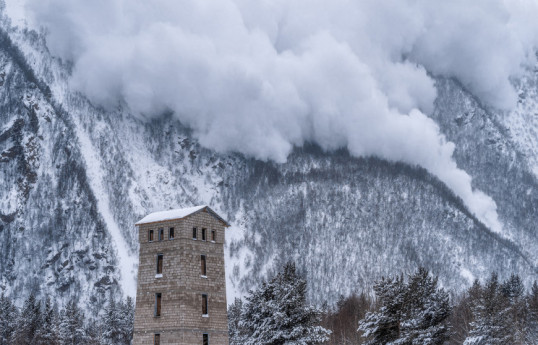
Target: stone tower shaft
point(181, 289)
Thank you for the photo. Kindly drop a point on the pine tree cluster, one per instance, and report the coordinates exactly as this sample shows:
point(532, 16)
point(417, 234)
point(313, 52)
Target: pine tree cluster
point(502, 313)
point(277, 313)
point(415, 310)
point(412, 312)
point(41, 323)
point(406, 310)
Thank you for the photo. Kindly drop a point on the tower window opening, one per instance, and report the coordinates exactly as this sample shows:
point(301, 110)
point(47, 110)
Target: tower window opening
point(204, 305)
point(160, 258)
point(158, 304)
point(203, 265)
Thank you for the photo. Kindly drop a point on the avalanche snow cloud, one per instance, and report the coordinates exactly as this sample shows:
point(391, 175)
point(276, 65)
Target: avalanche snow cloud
point(260, 77)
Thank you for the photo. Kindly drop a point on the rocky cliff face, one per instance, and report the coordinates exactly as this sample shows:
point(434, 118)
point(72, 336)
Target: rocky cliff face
point(53, 239)
point(75, 178)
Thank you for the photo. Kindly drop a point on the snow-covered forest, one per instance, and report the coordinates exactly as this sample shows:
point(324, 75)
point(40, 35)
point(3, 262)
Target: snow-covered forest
point(411, 309)
point(405, 309)
point(42, 323)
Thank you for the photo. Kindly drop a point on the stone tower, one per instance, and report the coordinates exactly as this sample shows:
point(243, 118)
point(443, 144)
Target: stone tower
point(181, 292)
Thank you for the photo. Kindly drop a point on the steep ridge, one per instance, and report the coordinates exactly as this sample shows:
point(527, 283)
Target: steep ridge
point(52, 237)
point(487, 150)
point(522, 122)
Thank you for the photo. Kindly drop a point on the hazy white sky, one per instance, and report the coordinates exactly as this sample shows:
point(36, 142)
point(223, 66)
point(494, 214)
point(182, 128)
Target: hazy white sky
point(260, 77)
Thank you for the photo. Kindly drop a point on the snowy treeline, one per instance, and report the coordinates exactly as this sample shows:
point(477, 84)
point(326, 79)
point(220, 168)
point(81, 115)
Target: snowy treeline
point(405, 310)
point(41, 323)
point(416, 311)
point(410, 309)
point(499, 313)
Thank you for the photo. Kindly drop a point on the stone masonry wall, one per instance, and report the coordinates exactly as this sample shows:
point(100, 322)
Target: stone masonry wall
point(181, 284)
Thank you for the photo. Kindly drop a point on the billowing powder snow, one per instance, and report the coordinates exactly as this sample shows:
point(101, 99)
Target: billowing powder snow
point(15, 10)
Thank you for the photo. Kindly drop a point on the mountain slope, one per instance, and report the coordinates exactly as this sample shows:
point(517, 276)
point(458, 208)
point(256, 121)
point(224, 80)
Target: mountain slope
point(348, 220)
point(52, 236)
point(76, 177)
point(487, 150)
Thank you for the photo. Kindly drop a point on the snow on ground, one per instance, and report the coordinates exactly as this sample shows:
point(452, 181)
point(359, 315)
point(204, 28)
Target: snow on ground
point(523, 121)
point(127, 261)
point(151, 183)
point(465, 273)
point(236, 264)
point(7, 125)
point(8, 204)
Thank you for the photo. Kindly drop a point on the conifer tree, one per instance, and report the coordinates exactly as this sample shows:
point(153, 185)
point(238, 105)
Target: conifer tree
point(383, 326)
point(277, 313)
point(532, 300)
point(126, 321)
point(93, 332)
point(426, 310)
point(462, 314)
point(8, 316)
point(46, 335)
point(111, 324)
point(531, 304)
point(492, 317)
point(28, 322)
point(513, 291)
point(415, 312)
point(235, 332)
point(71, 326)
point(475, 291)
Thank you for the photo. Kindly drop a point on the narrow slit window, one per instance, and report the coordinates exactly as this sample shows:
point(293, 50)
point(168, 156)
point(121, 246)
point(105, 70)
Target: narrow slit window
point(157, 339)
point(161, 234)
point(204, 304)
point(194, 233)
point(213, 235)
point(171, 234)
point(158, 304)
point(204, 234)
point(203, 265)
point(205, 339)
point(160, 259)
point(150, 236)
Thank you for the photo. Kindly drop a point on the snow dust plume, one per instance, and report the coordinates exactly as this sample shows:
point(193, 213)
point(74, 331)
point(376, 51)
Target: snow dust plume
point(260, 77)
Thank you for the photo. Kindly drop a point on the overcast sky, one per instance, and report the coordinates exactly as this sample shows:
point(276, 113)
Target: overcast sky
point(260, 77)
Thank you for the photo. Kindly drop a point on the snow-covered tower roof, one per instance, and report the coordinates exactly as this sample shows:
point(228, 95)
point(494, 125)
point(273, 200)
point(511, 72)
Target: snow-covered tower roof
point(179, 213)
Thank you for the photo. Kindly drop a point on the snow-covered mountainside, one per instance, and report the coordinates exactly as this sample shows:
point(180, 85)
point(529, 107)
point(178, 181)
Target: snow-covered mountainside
point(53, 237)
point(75, 178)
